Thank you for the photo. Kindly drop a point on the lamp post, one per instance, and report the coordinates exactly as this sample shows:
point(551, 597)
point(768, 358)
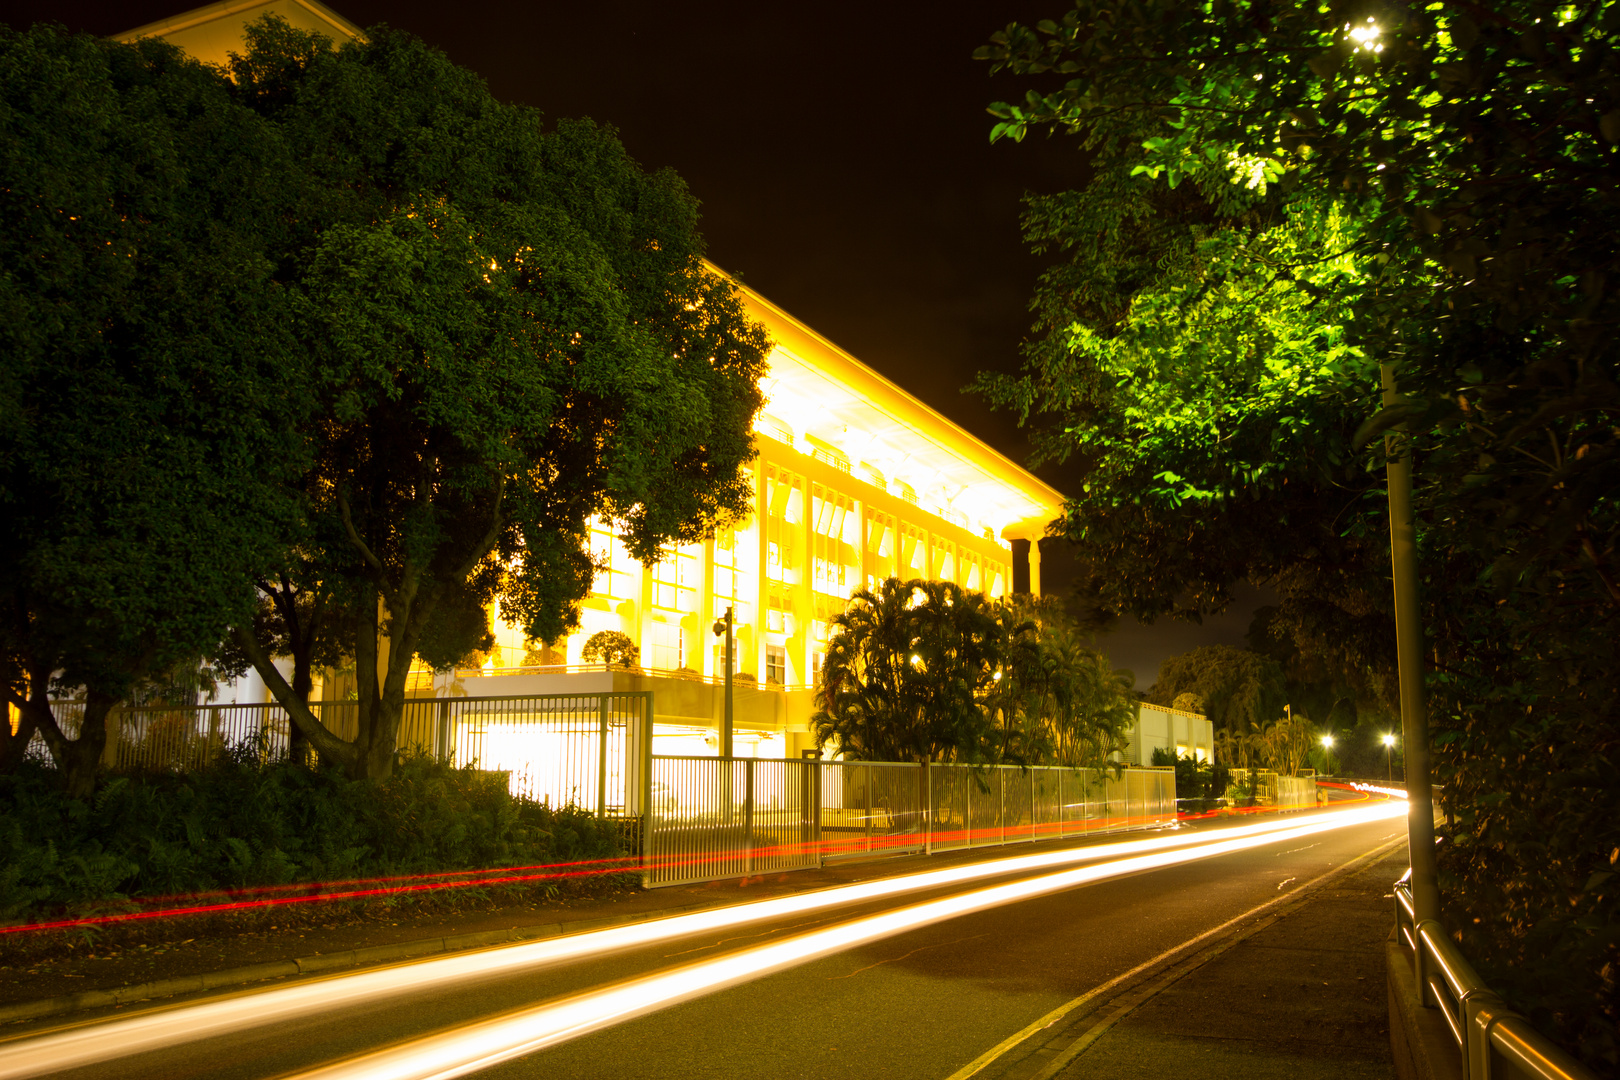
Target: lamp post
point(724, 626)
point(1327, 745)
point(1389, 758)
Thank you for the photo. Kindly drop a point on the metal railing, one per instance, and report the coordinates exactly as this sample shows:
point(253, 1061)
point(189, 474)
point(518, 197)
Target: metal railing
point(711, 818)
point(583, 749)
point(1495, 1043)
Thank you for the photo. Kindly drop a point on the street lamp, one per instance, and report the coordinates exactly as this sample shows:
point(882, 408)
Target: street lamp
point(1389, 758)
point(1327, 745)
point(725, 627)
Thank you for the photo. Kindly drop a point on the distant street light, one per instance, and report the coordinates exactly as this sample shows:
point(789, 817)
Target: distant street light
point(1327, 745)
point(1389, 758)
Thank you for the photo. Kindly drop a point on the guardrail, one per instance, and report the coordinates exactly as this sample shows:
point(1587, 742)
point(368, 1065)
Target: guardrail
point(1495, 1043)
point(710, 818)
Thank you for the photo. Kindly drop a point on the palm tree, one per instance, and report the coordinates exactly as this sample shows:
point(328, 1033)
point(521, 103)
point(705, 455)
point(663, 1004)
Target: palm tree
point(907, 664)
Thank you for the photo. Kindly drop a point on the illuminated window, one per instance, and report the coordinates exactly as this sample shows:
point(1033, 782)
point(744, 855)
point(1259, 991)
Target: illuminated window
point(835, 530)
point(677, 575)
point(784, 513)
point(913, 552)
point(733, 581)
point(619, 576)
point(668, 646)
point(775, 665)
point(942, 559)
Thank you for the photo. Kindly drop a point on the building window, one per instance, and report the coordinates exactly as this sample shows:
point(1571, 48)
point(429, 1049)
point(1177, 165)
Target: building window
point(676, 578)
point(618, 576)
point(775, 665)
point(835, 525)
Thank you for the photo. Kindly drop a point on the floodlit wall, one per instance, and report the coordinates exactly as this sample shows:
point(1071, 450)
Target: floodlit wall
point(1159, 727)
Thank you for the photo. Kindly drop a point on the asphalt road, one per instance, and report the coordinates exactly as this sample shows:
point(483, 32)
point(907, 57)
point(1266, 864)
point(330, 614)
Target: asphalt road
point(921, 1004)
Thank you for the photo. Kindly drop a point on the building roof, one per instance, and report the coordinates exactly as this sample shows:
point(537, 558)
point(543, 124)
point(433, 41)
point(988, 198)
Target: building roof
point(212, 33)
point(819, 389)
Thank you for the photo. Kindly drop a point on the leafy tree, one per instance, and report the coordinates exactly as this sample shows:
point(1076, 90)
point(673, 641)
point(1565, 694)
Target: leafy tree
point(1240, 689)
point(142, 340)
point(611, 647)
point(1282, 197)
point(926, 671)
point(513, 331)
point(906, 665)
point(1073, 704)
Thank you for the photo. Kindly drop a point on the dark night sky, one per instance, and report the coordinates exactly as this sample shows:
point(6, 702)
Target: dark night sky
point(841, 154)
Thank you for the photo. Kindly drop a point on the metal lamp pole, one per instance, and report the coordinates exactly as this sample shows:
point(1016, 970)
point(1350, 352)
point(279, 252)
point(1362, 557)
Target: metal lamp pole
point(725, 626)
point(1327, 747)
point(1389, 759)
point(1409, 653)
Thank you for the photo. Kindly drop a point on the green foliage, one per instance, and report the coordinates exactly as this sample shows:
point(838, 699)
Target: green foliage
point(1310, 201)
point(513, 332)
point(1066, 703)
point(926, 671)
point(241, 823)
point(1240, 688)
point(143, 338)
point(610, 647)
point(1197, 781)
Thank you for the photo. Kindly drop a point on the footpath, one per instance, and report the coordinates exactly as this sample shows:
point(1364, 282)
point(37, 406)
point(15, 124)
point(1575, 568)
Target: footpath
point(1298, 993)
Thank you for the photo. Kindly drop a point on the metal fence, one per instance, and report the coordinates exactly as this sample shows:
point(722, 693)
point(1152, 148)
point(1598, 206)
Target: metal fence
point(1493, 1041)
point(1266, 788)
point(712, 818)
point(588, 750)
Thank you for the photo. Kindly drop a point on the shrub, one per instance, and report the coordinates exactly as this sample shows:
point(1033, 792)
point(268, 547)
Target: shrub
point(240, 823)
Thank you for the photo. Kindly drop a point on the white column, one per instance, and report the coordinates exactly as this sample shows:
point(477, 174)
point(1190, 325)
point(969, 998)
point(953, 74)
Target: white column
point(1035, 567)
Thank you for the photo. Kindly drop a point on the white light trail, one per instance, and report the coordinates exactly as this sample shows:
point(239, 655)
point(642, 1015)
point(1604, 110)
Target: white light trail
point(473, 1047)
point(174, 1027)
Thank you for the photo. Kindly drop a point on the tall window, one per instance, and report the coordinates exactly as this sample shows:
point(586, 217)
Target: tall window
point(913, 553)
point(619, 576)
point(835, 529)
point(881, 543)
point(668, 646)
point(733, 583)
point(784, 513)
point(677, 577)
point(775, 665)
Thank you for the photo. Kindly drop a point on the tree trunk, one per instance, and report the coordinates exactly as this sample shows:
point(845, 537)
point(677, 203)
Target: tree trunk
point(328, 745)
point(83, 762)
point(80, 758)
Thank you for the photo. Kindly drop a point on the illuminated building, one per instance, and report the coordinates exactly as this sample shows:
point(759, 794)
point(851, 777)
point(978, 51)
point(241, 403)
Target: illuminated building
point(856, 480)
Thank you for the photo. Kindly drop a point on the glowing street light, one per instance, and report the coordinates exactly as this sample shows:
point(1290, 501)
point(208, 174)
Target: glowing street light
point(1366, 37)
point(1389, 758)
point(1327, 745)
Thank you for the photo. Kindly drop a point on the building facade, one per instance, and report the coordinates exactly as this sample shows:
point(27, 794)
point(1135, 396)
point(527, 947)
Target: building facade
point(855, 481)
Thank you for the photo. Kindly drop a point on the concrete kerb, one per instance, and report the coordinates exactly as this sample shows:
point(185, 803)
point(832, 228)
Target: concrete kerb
point(1419, 1040)
point(307, 965)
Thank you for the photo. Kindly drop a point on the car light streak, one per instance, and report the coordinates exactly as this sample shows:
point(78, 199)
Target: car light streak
point(473, 1047)
point(172, 1027)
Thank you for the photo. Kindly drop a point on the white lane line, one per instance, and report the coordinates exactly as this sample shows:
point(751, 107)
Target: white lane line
point(473, 1047)
point(86, 1044)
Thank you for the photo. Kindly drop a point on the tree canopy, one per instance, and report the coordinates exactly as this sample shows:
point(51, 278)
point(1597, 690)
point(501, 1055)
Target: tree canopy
point(1281, 197)
point(143, 341)
point(927, 671)
point(512, 332)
